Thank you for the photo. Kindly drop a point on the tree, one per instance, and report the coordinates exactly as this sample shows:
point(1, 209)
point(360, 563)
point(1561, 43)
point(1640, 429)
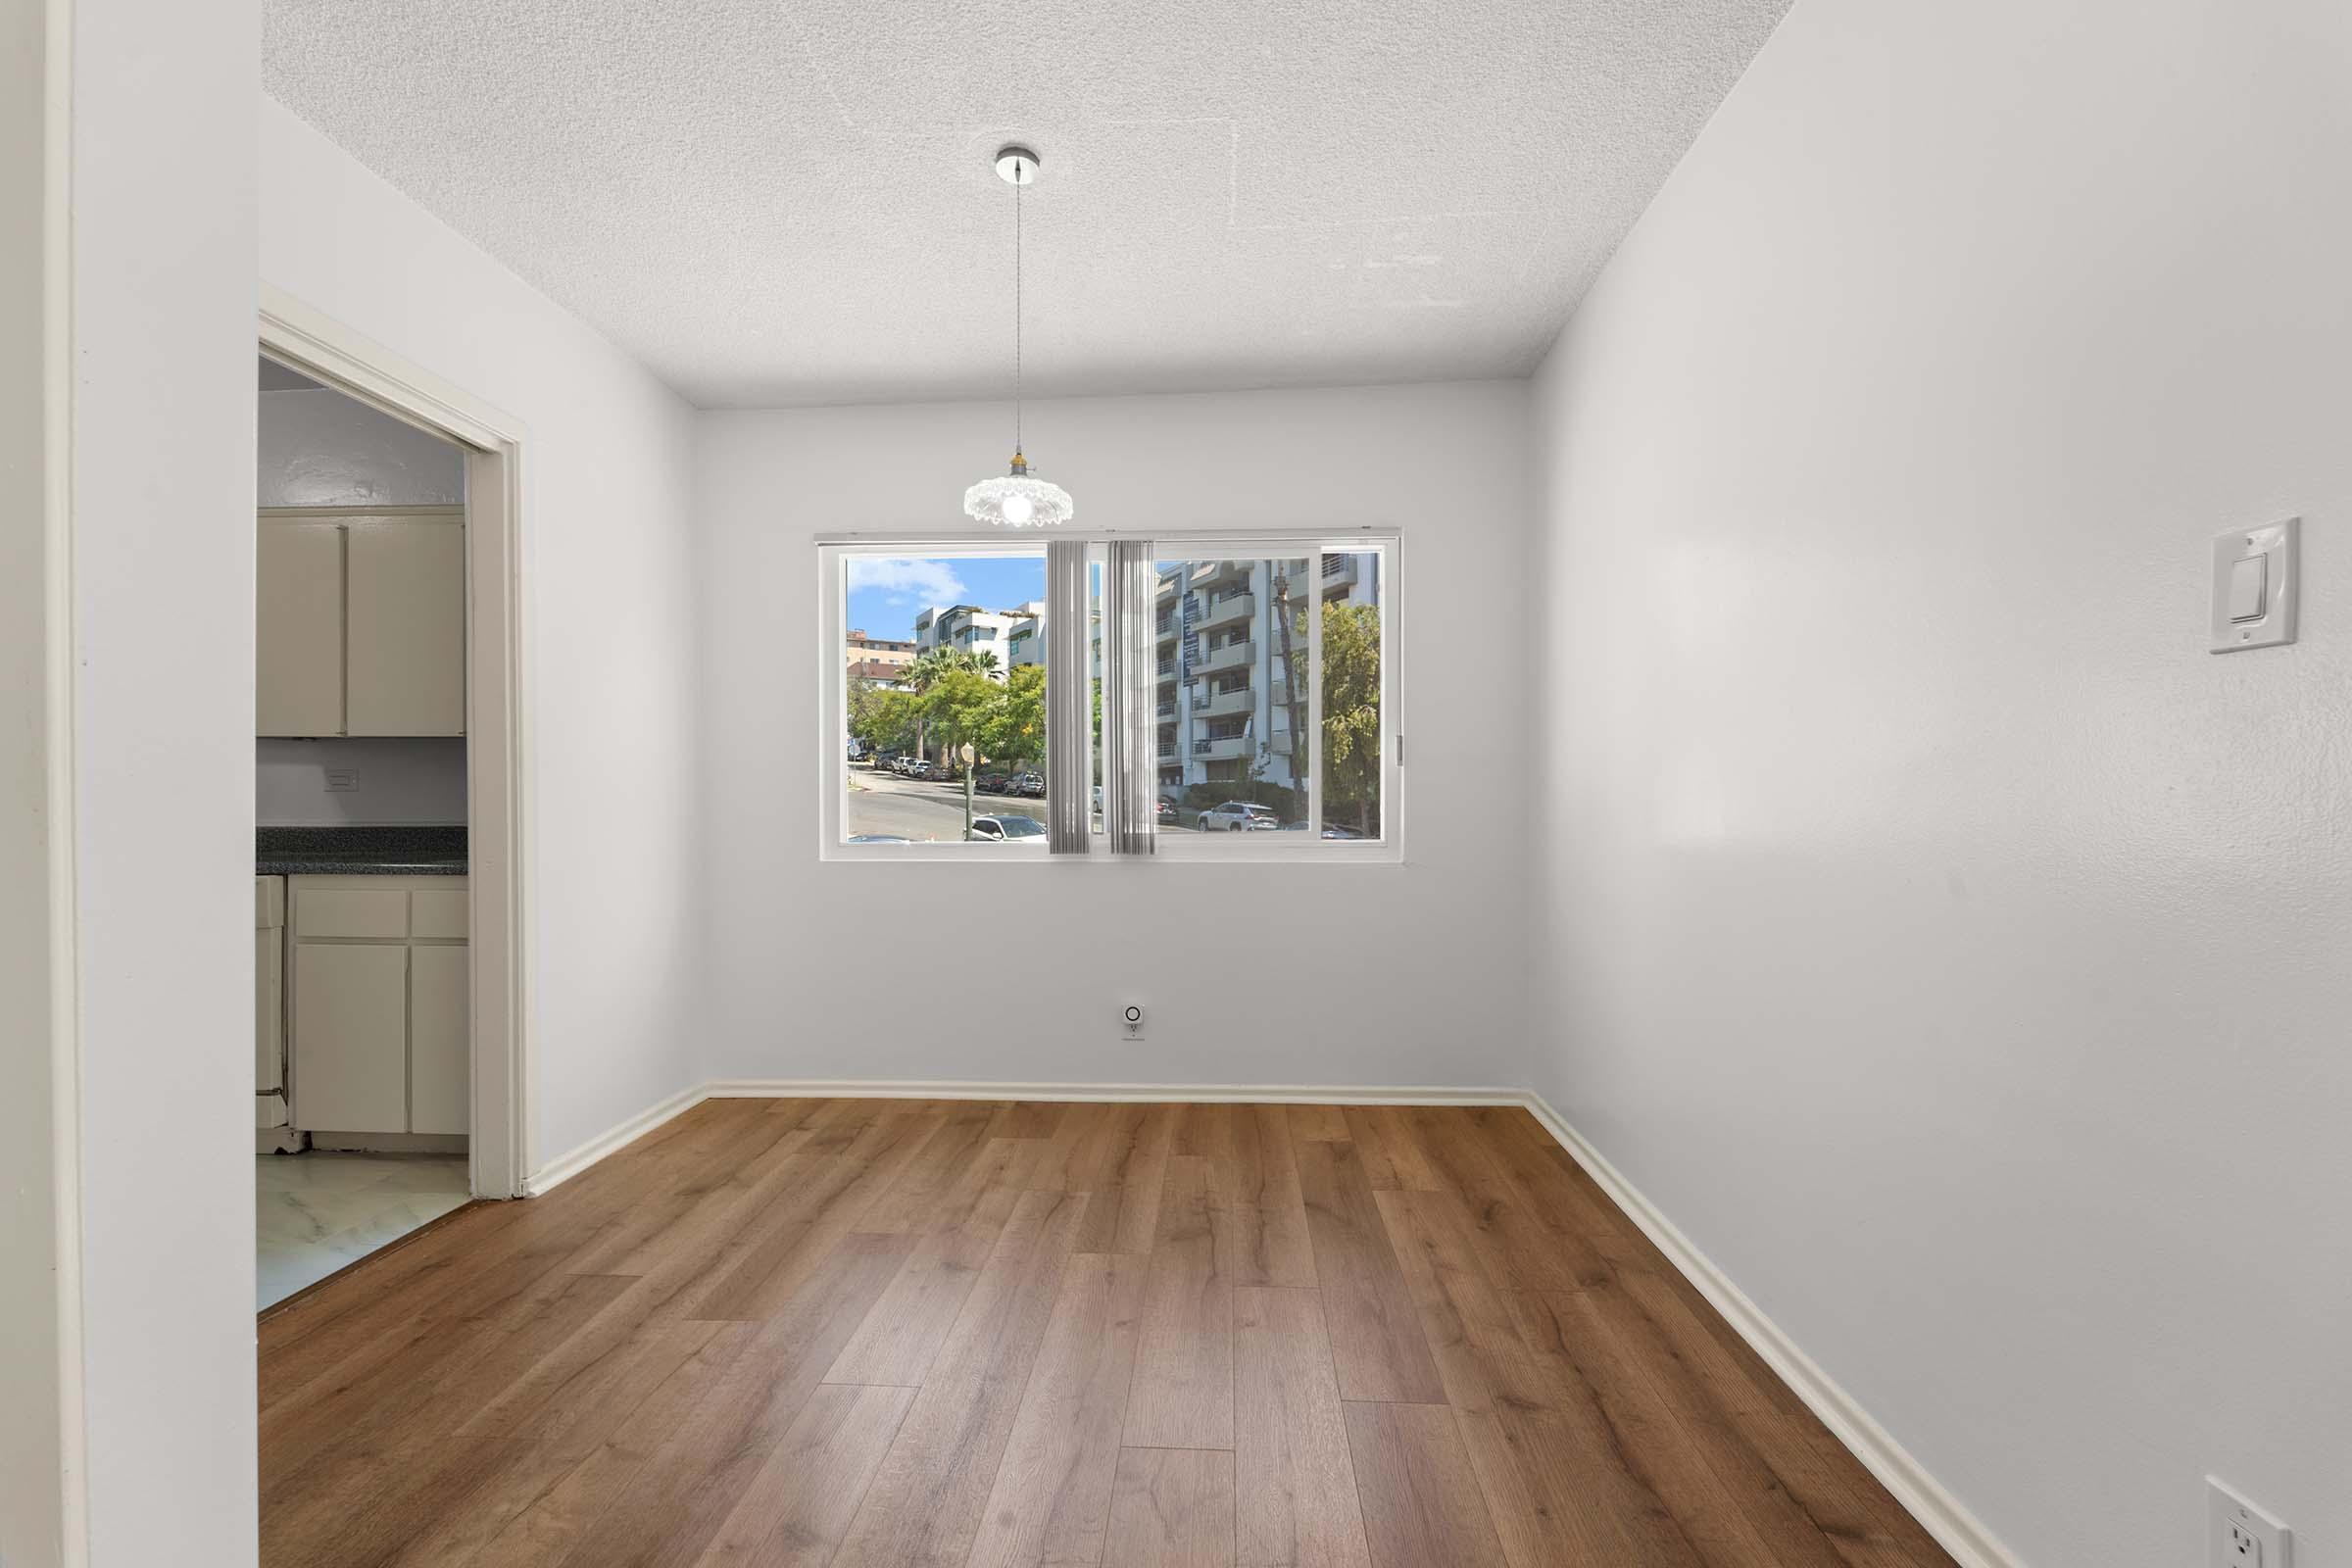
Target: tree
point(959, 706)
point(1015, 731)
point(918, 677)
point(1352, 715)
point(884, 719)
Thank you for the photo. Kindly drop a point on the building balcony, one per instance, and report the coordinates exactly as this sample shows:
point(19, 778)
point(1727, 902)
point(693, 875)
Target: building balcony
point(1225, 704)
point(1206, 573)
point(1340, 574)
point(1224, 749)
point(1225, 609)
point(1165, 629)
point(1232, 655)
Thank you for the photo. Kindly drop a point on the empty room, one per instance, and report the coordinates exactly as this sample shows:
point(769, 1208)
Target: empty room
point(1410, 784)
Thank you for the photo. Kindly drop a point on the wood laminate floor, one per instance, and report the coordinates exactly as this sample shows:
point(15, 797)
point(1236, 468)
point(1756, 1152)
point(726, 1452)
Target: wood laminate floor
point(874, 1332)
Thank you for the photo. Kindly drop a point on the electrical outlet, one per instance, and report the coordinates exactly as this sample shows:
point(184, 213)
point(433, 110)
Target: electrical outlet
point(2239, 1535)
point(342, 778)
point(1131, 1020)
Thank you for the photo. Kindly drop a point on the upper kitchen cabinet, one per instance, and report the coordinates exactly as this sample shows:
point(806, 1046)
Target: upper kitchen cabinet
point(361, 622)
point(298, 687)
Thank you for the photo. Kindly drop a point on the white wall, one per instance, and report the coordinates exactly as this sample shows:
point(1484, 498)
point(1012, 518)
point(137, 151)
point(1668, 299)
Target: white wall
point(162, 468)
point(39, 1302)
point(323, 449)
point(1254, 975)
point(609, 642)
point(1950, 946)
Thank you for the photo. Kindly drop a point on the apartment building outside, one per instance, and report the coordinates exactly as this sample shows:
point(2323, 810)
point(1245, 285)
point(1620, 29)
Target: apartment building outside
point(974, 630)
point(1226, 636)
point(880, 659)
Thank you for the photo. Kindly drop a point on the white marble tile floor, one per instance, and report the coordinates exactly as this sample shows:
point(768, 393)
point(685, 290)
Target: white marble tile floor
point(315, 1211)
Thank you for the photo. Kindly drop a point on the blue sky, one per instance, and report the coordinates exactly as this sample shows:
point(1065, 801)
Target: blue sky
point(887, 592)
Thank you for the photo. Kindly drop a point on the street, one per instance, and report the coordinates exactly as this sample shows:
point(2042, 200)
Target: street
point(913, 808)
point(882, 802)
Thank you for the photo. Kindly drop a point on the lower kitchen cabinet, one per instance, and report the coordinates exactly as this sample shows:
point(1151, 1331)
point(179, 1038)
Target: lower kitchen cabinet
point(440, 1022)
point(268, 1002)
point(378, 1002)
point(351, 1036)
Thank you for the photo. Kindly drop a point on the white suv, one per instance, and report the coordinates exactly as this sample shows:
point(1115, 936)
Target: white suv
point(1240, 816)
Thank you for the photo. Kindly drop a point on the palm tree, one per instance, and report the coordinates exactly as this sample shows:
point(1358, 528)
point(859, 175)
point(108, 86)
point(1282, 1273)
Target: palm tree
point(983, 662)
point(919, 676)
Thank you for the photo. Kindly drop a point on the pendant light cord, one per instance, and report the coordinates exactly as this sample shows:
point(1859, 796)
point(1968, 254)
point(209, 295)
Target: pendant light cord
point(1017, 313)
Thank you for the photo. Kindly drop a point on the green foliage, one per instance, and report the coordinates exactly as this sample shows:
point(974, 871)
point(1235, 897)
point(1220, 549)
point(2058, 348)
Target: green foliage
point(1014, 732)
point(1352, 715)
point(884, 719)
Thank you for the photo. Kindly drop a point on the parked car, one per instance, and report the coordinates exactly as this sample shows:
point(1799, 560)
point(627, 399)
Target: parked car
point(1008, 828)
point(1030, 785)
point(990, 783)
point(1165, 813)
point(1240, 816)
point(920, 769)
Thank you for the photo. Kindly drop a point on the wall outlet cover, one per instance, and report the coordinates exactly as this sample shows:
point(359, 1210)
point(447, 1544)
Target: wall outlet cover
point(342, 778)
point(2239, 1535)
point(1131, 1020)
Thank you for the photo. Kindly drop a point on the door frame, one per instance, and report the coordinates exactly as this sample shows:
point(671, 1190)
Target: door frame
point(503, 1147)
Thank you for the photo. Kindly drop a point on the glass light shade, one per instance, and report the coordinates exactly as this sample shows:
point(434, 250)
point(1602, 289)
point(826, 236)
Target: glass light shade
point(1019, 501)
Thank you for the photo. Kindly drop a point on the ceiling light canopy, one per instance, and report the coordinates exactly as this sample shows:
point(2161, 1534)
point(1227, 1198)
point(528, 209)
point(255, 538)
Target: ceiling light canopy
point(1018, 498)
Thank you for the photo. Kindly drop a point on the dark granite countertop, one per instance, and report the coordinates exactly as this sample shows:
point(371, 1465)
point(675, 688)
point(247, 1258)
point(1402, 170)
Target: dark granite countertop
point(420, 851)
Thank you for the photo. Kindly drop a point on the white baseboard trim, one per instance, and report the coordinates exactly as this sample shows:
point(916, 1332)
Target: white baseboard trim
point(1114, 1094)
point(1942, 1514)
point(570, 1164)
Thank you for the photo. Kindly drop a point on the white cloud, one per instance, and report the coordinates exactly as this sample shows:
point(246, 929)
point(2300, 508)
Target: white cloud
point(904, 580)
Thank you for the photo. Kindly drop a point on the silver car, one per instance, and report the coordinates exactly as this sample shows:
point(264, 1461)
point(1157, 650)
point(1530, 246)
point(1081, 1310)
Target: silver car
point(1240, 816)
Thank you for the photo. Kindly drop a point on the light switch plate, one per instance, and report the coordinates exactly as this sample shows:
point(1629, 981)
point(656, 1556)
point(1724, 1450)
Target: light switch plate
point(342, 778)
point(2265, 557)
point(2239, 1535)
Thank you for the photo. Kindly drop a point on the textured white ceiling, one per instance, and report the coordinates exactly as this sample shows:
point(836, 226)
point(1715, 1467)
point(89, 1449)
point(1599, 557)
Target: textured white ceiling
point(782, 203)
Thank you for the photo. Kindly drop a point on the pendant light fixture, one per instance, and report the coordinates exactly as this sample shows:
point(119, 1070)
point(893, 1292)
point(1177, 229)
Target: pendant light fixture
point(1019, 499)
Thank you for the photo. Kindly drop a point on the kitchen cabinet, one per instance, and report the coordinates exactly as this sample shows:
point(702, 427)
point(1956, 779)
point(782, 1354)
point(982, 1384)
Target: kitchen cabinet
point(406, 636)
point(351, 1036)
point(361, 622)
point(268, 1002)
point(440, 1078)
point(379, 990)
point(298, 677)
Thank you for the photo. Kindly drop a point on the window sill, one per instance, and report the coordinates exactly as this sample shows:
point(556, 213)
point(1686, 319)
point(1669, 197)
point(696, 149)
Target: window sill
point(1171, 851)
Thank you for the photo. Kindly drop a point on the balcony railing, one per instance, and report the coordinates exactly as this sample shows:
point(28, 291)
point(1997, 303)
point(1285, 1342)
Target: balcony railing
point(1224, 608)
point(1223, 749)
point(1225, 704)
point(1230, 657)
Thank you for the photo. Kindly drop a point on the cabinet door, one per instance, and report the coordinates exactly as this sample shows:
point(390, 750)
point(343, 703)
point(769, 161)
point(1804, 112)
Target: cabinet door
point(269, 1014)
point(298, 674)
point(407, 627)
point(351, 1058)
point(440, 1062)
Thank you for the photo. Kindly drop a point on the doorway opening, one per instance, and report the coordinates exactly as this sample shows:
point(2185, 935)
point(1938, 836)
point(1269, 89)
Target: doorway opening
point(390, 1075)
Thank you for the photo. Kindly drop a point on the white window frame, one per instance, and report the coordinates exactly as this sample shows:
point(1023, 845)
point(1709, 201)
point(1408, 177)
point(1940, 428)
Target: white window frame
point(1183, 849)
